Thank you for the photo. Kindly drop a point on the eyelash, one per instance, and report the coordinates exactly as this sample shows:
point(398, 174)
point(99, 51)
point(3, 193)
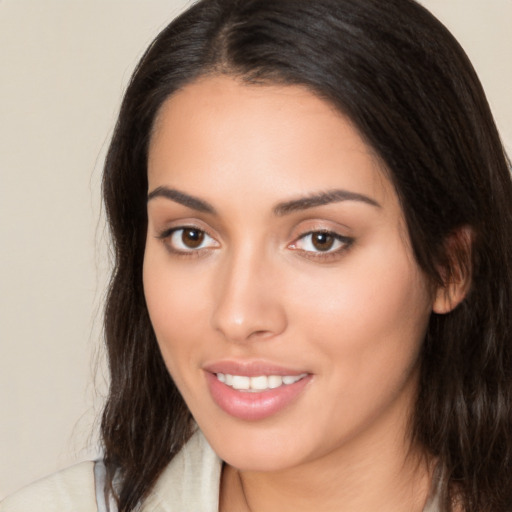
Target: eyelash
point(329, 254)
point(167, 236)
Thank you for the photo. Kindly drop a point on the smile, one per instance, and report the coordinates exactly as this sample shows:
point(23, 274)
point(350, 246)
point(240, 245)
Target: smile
point(259, 383)
point(253, 392)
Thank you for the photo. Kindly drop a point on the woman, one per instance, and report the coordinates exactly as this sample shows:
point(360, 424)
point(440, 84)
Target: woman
point(311, 211)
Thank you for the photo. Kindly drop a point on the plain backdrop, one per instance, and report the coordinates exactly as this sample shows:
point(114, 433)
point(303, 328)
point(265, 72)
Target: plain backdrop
point(63, 68)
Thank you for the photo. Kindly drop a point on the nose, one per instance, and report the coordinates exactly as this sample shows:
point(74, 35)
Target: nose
point(248, 300)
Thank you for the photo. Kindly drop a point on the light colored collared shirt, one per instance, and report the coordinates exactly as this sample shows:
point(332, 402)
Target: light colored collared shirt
point(190, 483)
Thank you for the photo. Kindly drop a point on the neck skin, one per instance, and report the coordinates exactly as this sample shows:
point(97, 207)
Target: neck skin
point(378, 470)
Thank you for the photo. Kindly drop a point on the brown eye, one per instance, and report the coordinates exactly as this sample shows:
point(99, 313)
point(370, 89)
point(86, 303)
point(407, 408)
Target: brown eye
point(188, 240)
point(322, 241)
point(192, 238)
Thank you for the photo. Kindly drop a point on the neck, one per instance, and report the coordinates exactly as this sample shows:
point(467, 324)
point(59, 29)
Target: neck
point(369, 484)
point(380, 470)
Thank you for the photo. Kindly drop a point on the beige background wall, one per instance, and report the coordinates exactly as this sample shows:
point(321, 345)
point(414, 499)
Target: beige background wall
point(63, 67)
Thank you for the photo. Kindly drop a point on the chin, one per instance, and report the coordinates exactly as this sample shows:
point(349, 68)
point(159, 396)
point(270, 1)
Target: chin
point(258, 448)
point(257, 459)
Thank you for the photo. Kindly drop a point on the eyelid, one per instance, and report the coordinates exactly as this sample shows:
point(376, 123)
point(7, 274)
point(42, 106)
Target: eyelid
point(344, 242)
point(166, 237)
point(164, 227)
point(336, 236)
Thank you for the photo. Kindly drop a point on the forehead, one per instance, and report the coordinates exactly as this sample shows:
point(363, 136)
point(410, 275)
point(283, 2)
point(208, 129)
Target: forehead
point(218, 132)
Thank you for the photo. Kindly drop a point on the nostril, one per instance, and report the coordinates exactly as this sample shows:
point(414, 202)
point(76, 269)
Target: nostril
point(247, 306)
point(260, 334)
point(262, 326)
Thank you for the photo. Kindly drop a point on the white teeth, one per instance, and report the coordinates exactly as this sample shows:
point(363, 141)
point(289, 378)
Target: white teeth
point(291, 379)
point(259, 383)
point(274, 381)
point(241, 382)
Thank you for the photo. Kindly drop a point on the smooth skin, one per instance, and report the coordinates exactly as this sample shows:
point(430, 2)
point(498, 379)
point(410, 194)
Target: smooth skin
point(331, 290)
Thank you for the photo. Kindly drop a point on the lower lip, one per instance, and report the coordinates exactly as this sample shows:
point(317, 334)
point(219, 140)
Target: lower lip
point(254, 406)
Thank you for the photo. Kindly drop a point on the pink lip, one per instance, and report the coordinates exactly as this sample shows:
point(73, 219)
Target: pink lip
point(250, 368)
point(252, 406)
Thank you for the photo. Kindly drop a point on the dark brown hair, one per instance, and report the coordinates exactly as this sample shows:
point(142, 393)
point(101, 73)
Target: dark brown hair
point(409, 88)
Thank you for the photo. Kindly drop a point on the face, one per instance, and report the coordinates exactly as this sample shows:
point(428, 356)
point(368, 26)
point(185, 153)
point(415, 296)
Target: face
point(278, 275)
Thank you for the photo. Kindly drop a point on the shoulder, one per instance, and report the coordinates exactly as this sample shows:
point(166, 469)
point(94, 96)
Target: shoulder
point(68, 490)
point(191, 481)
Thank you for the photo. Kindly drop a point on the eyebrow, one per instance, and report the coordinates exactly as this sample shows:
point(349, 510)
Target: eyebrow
point(182, 198)
point(284, 208)
point(323, 198)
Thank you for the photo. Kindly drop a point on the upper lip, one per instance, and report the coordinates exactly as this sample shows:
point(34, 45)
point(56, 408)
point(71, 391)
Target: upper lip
point(250, 368)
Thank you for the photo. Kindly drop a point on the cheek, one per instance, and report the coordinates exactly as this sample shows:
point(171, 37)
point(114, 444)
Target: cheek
point(370, 314)
point(364, 330)
point(177, 309)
